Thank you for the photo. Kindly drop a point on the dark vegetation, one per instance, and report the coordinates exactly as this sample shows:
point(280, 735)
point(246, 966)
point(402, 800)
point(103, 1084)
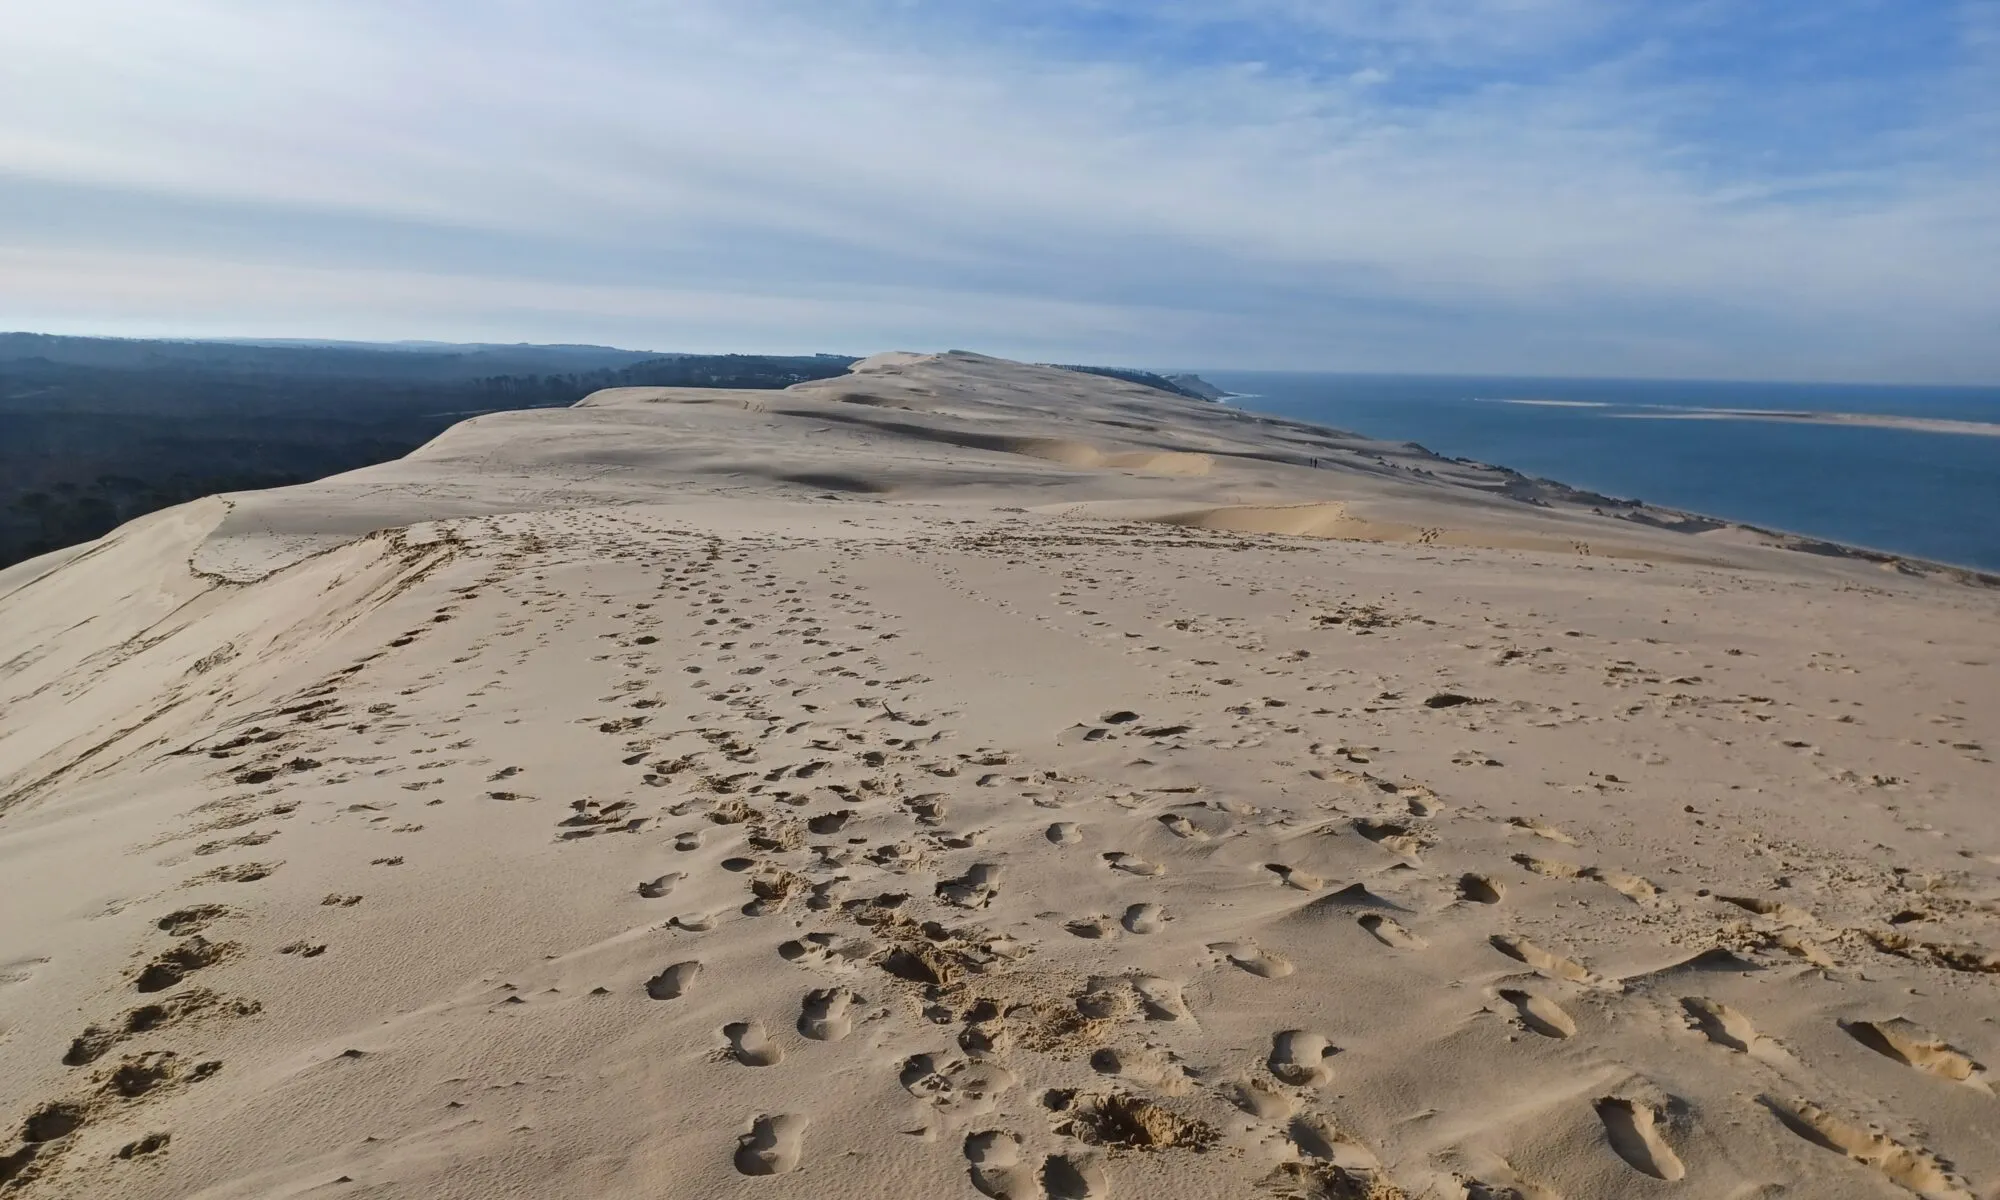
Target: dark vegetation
point(94, 432)
point(1194, 387)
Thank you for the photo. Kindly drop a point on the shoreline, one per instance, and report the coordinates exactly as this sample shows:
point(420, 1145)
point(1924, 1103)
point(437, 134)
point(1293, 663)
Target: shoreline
point(1863, 420)
point(1976, 575)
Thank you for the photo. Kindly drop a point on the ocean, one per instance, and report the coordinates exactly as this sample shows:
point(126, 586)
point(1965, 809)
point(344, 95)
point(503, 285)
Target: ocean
point(1932, 493)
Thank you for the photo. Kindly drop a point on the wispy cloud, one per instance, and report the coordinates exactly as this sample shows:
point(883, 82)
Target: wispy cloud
point(1525, 185)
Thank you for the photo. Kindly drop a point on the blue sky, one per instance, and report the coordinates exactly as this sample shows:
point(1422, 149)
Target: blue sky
point(1720, 188)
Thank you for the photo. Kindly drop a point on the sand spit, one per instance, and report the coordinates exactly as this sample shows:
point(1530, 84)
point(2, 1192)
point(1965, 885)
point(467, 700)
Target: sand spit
point(1862, 420)
point(968, 779)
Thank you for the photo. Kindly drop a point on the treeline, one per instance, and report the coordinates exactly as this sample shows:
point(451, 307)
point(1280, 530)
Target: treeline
point(1192, 387)
point(94, 433)
point(299, 359)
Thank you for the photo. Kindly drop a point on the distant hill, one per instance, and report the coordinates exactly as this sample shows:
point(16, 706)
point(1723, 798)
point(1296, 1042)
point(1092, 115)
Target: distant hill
point(401, 360)
point(1193, 387)
point(1196, 385)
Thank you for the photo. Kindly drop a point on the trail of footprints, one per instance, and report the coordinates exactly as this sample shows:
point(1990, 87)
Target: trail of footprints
point(126, 1061)
point(930, 964)
point(930, 968)
point(798, 716)
point(943, 970)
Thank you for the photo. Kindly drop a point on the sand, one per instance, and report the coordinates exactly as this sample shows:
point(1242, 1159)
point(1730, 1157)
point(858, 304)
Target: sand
point(1868, 420)
point(964, 778)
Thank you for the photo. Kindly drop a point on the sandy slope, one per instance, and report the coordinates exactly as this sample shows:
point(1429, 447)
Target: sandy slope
point(966, 778)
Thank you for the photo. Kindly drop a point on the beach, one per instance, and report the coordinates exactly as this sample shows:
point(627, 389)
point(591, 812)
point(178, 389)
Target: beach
point(966, 778)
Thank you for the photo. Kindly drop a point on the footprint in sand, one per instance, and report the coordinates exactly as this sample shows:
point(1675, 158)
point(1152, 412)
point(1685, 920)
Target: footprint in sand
point(1121, 997)
point(1522, 950)
point(1912, 1168)
point(826, 1015)
point(1064, 833)
point(1632, 887)
point(1479, 889)
point(183, 960)
point(1901, 1041)
point(1386, 931)
point(751, 1046)
point(1728, 1028)
point(772, 1146)
point(984, 1039)
point(1540, 1013)
point(1147, 1066)
point(829, 823)
point(1067, 1178)
point(1550, 868)
point(1259, 962)
point(237, 873)
point(997, 1170)
point(49, 1123)
point(1181, 827)
point(152, 1143)
point(966, 1086)
point(1317, 1137)
point(1299, 1057)
point(190, 1004)
point(1293, 877)
point(1633, 1130)
point(1395, 835)
point(688, 841)
point(181, 922)
point(1143, 918)
point(1783, 914)
point(653, 889)
point(1160, 999)
point(673, 983)
point(1132, 864)
point(1090, 928)
point(974, 889)
point(827, 950)
point(1541, 829)
point(1260, 1100)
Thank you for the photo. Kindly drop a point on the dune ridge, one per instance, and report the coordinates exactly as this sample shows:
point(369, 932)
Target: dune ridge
point(963, 778)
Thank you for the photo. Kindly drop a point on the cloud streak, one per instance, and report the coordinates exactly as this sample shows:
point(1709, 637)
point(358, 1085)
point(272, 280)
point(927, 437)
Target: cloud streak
point(1529, 185)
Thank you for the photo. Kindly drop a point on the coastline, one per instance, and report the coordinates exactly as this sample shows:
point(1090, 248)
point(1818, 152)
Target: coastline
point(1349, 403)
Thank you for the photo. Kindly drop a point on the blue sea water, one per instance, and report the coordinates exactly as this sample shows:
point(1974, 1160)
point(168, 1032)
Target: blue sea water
point(1925, 494)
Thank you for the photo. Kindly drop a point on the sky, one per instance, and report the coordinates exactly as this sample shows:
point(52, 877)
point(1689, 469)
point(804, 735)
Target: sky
point(1682, 188)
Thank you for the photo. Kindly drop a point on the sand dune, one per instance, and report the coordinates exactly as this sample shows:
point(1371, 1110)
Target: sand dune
point(970, 779)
